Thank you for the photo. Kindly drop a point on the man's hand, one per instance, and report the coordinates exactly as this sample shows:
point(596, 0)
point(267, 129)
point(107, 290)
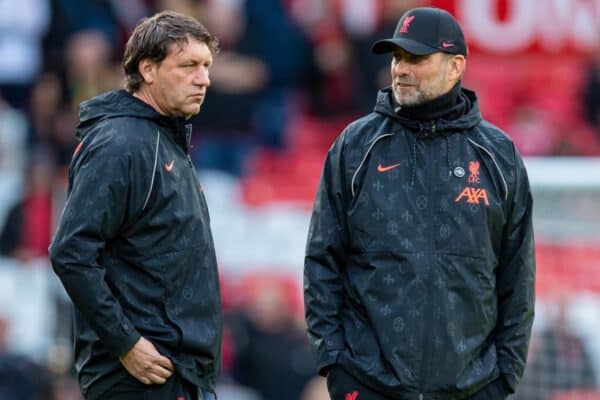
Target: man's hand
point(146, 364)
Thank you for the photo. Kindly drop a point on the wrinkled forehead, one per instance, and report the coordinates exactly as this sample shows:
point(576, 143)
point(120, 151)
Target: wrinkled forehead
point(190, 47)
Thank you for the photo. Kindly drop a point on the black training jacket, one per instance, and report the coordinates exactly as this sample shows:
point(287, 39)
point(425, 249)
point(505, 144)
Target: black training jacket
point(134, 248)
point(419, 270)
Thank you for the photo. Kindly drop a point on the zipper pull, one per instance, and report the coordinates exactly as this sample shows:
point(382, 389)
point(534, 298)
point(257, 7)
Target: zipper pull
point(420, 396)
point(188, 136)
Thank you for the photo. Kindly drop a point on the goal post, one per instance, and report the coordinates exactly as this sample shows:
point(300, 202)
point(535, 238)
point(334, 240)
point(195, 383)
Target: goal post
point(564, 357)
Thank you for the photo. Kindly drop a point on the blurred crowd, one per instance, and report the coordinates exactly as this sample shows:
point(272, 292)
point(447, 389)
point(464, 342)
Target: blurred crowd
point(281, 62)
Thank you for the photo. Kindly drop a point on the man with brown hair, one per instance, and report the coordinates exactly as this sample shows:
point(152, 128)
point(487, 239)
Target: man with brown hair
point(134, 248)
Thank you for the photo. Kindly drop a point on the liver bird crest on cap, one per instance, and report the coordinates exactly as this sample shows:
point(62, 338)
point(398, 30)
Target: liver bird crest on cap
point(406, 24)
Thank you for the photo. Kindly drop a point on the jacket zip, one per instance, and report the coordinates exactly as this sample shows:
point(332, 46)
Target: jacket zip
point(429, 275)
point(495, 163)
point(153, 170)
point(188, 140)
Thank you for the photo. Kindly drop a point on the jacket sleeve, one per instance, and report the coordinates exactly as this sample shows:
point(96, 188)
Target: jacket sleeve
point(94, 212)
point(515, 279)
point(324, 262)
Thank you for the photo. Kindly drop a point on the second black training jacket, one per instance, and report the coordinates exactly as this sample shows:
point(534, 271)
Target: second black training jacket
point(134, 248)
point(419, 269)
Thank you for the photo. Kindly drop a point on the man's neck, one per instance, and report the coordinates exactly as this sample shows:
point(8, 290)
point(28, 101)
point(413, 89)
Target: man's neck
point(439, 107)
point(145, 95)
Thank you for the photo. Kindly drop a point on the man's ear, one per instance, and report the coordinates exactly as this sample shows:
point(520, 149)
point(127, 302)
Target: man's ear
point(147, 69)
point(456, 68)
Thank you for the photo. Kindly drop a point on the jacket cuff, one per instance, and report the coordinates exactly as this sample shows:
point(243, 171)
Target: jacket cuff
point(503, 386)
point(495, 390)
point(123, 342)
point(325, 364)
point(327, 352)
point(507, 375)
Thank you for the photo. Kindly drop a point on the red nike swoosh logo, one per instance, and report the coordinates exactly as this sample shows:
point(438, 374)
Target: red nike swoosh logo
point(169, 166)
point(447, 45)
point(381, 168)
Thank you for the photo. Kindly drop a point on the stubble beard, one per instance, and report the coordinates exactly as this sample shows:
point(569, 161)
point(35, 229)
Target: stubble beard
point(421, 95)
point(414, 99)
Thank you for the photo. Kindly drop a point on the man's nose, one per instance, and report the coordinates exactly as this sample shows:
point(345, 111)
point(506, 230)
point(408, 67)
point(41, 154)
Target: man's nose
point(202, 78)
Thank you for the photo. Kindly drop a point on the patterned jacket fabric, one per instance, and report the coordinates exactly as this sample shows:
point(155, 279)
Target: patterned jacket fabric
point(419, 270)
point(134, 248)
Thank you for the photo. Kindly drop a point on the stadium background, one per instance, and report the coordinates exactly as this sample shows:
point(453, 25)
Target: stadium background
point(291, 74)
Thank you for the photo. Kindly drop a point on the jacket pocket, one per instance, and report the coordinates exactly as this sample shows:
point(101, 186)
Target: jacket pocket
point(192, 301)
point(384, 324)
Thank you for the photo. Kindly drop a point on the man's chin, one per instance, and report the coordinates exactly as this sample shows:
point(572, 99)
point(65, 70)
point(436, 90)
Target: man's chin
point(191, 111)
point(407, 101)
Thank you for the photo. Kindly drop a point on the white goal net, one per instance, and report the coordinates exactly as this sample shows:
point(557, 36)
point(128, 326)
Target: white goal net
point(564, 357)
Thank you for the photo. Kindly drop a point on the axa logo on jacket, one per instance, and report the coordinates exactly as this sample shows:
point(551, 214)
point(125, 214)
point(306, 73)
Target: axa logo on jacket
point(473, 195)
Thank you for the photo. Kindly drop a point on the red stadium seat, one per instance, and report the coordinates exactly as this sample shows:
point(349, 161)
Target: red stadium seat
point(561, 268)
point(576, 395)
